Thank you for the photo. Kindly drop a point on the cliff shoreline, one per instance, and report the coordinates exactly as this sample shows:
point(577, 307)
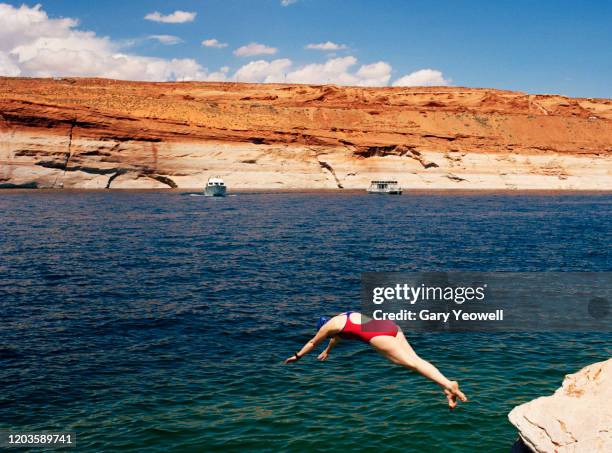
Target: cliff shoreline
point(576, 418)
point(98, 133)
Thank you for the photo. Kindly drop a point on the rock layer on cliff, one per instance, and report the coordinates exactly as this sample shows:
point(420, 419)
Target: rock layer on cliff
point(100, 133)
point(576, 418)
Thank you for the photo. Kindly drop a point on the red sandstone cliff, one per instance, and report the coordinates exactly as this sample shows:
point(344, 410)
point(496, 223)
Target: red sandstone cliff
point(96, 133)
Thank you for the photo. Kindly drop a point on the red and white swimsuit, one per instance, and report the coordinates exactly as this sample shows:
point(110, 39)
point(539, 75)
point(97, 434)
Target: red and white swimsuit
point(366, 331)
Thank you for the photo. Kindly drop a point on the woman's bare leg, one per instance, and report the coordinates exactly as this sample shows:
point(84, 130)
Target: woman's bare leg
point(398, 350)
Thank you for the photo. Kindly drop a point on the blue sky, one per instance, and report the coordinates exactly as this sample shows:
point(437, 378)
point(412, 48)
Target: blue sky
point(535, 46)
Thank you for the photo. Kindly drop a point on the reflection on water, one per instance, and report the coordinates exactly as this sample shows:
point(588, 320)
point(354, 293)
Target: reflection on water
point(158, 321)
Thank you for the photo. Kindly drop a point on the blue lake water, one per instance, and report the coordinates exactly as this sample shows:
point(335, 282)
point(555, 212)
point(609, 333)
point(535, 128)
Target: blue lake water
point(157, 321)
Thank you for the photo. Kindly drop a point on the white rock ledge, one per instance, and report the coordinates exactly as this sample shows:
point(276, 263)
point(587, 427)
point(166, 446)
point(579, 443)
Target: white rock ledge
point(576, 418)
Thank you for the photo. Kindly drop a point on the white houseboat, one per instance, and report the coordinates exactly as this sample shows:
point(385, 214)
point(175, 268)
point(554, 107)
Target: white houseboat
point(385, 187)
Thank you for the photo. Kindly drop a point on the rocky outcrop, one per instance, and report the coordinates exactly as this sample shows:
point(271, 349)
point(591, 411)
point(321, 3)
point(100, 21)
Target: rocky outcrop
point(576, 418)
point(97, 133)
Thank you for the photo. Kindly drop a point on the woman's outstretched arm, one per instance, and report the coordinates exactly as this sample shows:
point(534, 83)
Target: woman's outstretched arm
point(332, 343)
point(312, 343)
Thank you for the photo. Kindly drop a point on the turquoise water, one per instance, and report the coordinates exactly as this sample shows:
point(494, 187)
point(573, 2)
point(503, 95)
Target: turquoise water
point(158, 321)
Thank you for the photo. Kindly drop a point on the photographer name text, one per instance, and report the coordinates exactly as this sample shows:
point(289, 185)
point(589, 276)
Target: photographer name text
point(428, 315)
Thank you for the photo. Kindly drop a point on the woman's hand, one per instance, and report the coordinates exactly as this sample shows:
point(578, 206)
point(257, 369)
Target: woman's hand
point(323, 356)
point(293, 358)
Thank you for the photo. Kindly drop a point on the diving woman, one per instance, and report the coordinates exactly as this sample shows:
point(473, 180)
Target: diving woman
point(384, 336)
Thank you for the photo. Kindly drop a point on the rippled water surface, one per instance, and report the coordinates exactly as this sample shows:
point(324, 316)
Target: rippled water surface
point(158, 321)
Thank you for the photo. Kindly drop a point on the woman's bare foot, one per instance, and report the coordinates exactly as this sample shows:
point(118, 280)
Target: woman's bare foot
point(452, 393)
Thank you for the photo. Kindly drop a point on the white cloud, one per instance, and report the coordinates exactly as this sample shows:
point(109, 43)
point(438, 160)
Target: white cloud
point(326, 46)
point(335, 70)
point(220, 75)
point(375, 74)
point(263, 71)
point(177, 17)
point(254, 48)
point(166, 39)
point(214, 43)
point(8, 67)
point(32, 44)
point(338, 71)
point(422, 77)
point(25, 23)
point(288, 2)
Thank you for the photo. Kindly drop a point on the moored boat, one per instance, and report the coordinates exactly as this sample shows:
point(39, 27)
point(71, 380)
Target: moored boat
point(215, 187)
point(385, 187)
